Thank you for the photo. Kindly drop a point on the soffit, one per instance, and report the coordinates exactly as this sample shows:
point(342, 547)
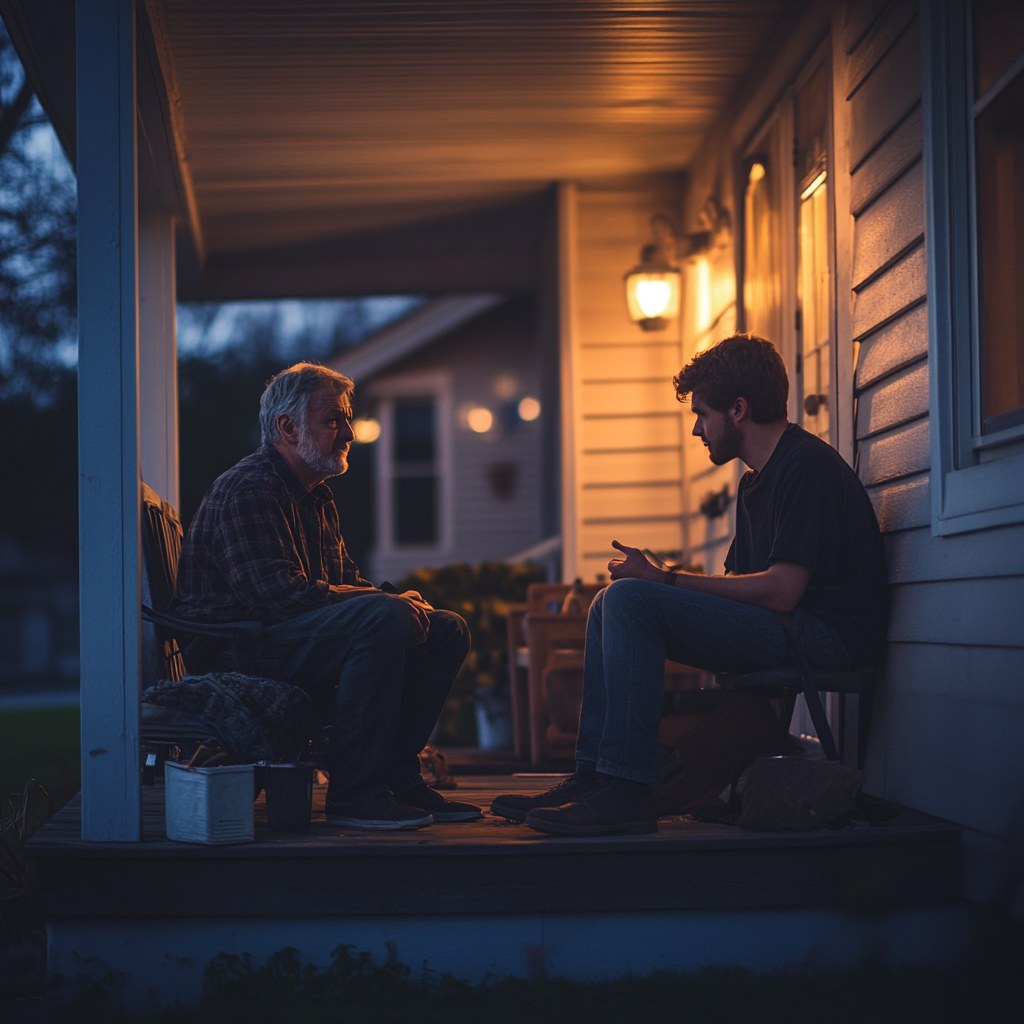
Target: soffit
point(306, 121)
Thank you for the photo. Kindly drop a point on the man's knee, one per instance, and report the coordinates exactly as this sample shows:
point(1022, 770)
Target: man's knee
point(622, 595)
point(449, 628)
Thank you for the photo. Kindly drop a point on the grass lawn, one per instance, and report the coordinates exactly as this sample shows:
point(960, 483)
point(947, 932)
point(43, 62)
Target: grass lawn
point(41, 744)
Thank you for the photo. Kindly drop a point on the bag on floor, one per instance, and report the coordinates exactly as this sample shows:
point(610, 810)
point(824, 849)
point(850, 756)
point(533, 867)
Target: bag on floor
point(718, 748)
point(793, 794)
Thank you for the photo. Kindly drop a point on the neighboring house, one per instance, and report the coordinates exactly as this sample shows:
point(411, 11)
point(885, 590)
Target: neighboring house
point(454, 390)
point(847, 178)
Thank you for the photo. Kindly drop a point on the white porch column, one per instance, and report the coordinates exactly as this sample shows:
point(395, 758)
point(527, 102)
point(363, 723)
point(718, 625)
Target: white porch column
point(158, 356)
point(108, 420)
point(568, 243)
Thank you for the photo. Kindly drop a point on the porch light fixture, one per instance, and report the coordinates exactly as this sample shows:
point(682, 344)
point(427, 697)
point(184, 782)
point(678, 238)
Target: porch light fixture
point(480, 419)
point(653, 287)
point(366, 430)
point(529, 409)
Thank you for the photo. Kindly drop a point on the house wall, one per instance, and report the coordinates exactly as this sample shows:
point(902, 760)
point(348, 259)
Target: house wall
point(945, 737)
point(493, 362)
point(950, 703)
point(620, 417)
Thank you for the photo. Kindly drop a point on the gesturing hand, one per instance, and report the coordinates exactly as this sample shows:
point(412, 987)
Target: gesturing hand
point(634, 566)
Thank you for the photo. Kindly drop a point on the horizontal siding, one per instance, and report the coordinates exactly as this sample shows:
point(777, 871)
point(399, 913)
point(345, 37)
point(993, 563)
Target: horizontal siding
point(889, 295)
point(599, 502)
point(608, 431)
point(627, 395)
point(857, 18)
point(635, 466)
point(916, 556)
point(890, 225)
point(902, 504)
point(899, 343)
point(884, 32)
point(945, 737)
point(895, 454)
point(646, 359)
point(888, 93)
point(984, 612)
point(894, 400)
point(901, 149)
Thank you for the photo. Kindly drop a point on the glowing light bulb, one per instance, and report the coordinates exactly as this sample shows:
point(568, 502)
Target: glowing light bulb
point(653, 297)
point(366, 430)
point(756, 172)
point(529, 409)
point(480, 420)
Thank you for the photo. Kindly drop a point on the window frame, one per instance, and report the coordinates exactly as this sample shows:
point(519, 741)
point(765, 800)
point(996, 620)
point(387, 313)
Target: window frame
point(386, 391)
point(967, 493)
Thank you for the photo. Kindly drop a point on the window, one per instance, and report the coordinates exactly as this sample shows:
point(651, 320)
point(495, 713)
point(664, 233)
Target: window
point(814, 354)
point(998, 110)
point(413, 465)
point(414, 483)
point(974, 145)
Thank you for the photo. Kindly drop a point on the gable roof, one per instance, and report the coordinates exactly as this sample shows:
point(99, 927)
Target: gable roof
point(420, 328)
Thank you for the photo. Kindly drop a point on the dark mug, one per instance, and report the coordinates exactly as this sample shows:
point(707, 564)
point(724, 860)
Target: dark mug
point(289, 796)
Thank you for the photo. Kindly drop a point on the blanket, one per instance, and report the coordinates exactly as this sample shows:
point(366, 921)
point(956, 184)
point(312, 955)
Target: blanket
point(255, 719)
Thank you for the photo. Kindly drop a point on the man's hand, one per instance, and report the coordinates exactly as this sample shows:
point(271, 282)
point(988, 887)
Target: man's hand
point(634, 566)
point(412, 611)
point(415, 596)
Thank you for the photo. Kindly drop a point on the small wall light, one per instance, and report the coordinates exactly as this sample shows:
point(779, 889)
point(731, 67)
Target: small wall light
point(480, 420)
point(653, 287)
point(529, 409)
point(366, 430)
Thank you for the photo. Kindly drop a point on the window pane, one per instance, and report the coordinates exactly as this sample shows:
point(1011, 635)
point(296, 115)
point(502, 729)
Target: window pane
point(814, 308)
point(415, 513)
point(414, 431)
point(998, 39)
point(761, 300)
point(1000, 184)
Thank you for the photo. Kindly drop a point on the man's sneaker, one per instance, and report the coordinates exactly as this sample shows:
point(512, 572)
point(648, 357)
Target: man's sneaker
point(440, 808)
point(383, 814)
point(516, 808)
point(612, 807)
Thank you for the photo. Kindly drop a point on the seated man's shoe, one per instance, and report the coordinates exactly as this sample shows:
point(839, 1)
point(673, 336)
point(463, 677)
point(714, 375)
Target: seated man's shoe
point(440, 808)
point(383, 814)
point(614, 807)
point(516, 807)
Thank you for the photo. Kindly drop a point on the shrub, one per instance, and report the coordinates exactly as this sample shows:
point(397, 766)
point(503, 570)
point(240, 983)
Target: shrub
point(481, 594)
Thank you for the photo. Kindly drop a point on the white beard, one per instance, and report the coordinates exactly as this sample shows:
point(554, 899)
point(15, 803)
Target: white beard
point(332, 463)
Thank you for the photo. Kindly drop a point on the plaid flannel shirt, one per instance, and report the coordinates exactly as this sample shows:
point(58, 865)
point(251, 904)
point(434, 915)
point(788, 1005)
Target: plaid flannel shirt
point(262, 547)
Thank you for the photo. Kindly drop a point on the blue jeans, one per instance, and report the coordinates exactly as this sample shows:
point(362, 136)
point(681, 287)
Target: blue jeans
point(387, 697)
point(634, 625)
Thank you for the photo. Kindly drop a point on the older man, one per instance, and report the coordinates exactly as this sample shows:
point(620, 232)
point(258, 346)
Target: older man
point(266, 544)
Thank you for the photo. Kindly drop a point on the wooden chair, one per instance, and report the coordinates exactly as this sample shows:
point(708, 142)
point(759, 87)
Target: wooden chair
point(545, 646)
point(176, 646)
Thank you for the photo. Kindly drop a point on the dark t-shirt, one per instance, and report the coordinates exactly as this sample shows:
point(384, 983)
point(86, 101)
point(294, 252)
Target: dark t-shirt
point(807, 506)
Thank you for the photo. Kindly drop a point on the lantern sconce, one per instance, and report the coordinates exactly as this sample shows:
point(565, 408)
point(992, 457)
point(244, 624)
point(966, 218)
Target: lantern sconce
point(653, 286)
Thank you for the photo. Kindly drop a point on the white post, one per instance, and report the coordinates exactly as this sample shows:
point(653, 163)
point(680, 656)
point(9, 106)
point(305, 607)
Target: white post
point(108, 420)
point(567, 269)
point(158, 356)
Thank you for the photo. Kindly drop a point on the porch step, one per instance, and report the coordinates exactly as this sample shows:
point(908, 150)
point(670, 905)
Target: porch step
point(490, 866)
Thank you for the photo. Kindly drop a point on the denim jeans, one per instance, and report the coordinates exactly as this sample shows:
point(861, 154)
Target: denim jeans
point(634, 625)
point(388, 696)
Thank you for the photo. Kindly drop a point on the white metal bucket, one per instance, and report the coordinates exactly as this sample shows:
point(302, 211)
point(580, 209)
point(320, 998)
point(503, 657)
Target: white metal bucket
point(209, 805)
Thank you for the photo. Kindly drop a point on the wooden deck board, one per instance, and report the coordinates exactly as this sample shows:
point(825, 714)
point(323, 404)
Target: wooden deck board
point(488, 866)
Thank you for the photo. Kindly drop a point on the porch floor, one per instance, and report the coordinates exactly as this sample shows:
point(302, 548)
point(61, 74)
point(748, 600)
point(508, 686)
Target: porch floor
point(489, 866)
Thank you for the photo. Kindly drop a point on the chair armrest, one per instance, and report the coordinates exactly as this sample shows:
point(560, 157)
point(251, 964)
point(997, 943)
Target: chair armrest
point(224, 630)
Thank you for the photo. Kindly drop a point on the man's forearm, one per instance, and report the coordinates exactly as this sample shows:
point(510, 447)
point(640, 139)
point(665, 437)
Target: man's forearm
point(756, 588)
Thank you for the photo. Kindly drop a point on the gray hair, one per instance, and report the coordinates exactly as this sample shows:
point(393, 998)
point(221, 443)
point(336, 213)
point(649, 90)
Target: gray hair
point(289, 392)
